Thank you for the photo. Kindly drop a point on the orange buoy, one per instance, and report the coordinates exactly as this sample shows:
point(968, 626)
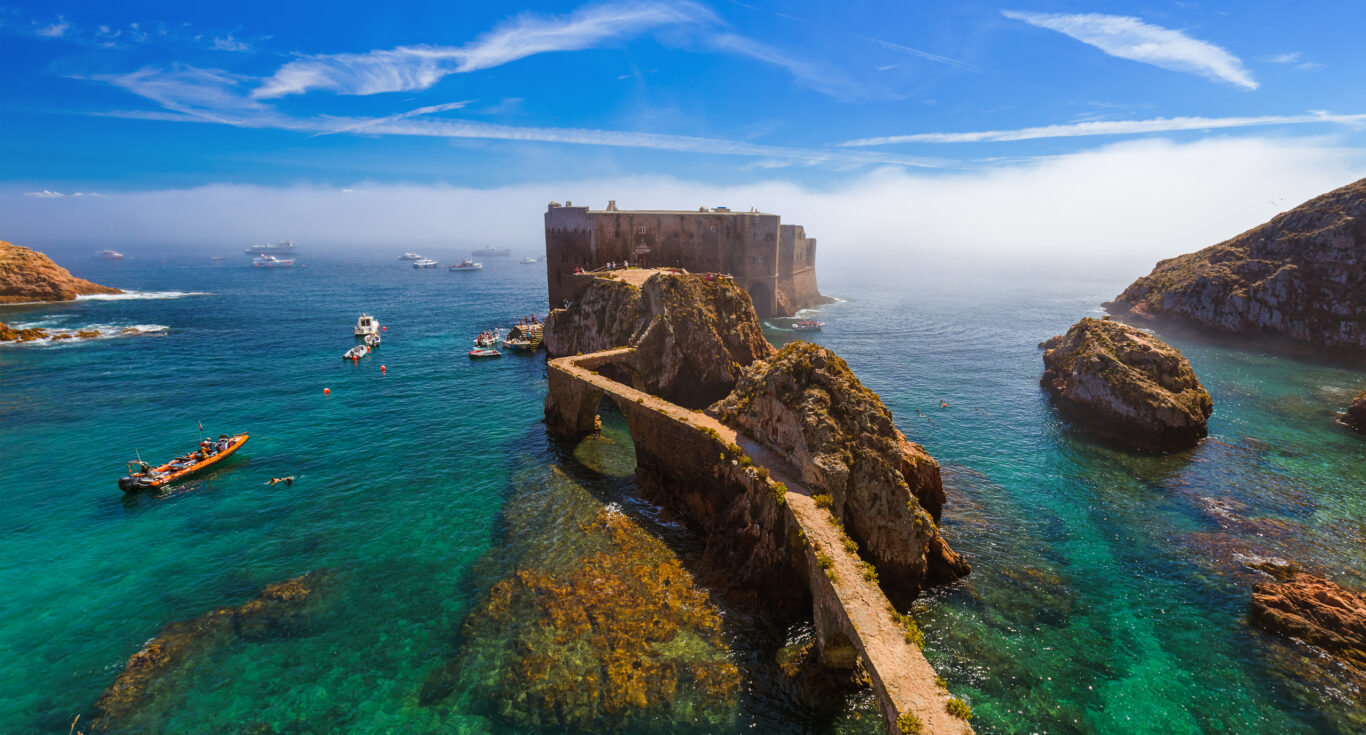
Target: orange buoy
point(382, 368)
point(327, 391)
point(383, 329)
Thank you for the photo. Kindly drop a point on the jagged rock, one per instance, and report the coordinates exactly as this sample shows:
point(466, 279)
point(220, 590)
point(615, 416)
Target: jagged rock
point(10, 334)
point(1355, 418)
point(693, 335)
point(276, 607)
point(1300, 276)
point(806, 403)
point(1126, 385)
point(1313, 609)
point(28, 275)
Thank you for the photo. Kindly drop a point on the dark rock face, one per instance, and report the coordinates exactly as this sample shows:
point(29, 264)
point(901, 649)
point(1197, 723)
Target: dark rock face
point(805, 403)
point(1355, 417)
point(1126, 385)
point(276, 608)
point(28, 275)
point(1301, 276)
point(693, 335)
point(1315, 610)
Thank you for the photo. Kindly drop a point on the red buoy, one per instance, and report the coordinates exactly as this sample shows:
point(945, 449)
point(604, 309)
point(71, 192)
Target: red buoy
point(382, 368)
point(383, 329)
point(327, 391)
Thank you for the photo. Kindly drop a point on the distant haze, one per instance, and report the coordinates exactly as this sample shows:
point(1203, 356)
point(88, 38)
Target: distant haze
point(1127, 204)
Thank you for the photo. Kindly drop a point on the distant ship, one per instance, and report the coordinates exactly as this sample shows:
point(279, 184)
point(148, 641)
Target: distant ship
point(270, 261)
point(491, 251)
point(109, 255)
point(424, 263)
point(283, 247)
point(410, 256)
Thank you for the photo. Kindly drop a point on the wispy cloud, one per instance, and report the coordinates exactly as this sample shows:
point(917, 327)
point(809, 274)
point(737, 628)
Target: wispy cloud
point(1294, 58)
point(228, 43)
point(926, 55)
point(408, 68)
point(49, 194)
point(819, 77)
point(53, 30)
point(1131, 38)
point(1113, 127)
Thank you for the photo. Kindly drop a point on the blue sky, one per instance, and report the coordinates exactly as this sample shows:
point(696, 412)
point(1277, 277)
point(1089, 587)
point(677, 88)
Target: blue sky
point(123, 99)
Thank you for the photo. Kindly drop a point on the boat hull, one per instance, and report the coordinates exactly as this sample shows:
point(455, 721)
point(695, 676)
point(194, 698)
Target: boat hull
point(135, 483)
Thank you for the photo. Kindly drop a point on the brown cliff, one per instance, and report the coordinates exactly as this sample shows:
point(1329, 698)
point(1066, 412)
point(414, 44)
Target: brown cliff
point(1355, 418)
point(1300, 276)
point(693, 334)
point(1126, 385)
point(28, 275)
point(807, 404)
point(1315, 610)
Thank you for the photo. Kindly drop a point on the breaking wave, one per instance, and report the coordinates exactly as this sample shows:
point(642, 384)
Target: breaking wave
point(140, 295)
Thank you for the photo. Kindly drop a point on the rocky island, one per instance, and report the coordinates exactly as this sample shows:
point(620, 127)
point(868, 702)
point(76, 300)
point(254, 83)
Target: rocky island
point(795, 475)
point(1299, 277)
point(1315, 610)
point(1355, 418)
point(1126, 385)
point(28, 275)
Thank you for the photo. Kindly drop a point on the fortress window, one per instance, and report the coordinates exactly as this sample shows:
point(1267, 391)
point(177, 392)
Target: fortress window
point(640, 230)
point(713, 229)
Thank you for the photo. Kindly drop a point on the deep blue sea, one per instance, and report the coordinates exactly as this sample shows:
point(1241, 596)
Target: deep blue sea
point(1109, 594)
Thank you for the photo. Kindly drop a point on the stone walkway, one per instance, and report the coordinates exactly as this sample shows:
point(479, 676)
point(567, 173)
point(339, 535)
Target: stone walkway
point(903, 678)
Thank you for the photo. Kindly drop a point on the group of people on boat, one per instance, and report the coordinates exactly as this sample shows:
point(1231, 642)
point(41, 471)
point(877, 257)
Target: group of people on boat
point(210, 447)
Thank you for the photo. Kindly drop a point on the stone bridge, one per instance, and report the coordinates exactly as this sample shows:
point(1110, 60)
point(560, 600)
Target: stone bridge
point(852, 615)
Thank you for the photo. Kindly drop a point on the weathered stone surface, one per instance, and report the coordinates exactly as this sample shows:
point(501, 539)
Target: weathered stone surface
point(10, 334)
point(1313, 609)
point(28, 275)
point(1301, 276)
point(1355, 418)
point(275, 607)
point(807, 405)
point(693, 335)
point(1126, 385)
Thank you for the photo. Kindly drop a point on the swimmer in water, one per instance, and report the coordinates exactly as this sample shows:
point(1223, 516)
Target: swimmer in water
point(286, 480)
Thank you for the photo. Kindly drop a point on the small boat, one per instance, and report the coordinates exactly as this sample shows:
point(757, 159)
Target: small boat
point(372, 341)
point(217, 259)
point(527, 260)
point(424, 263)
point(366, 324)
point(467, 265)
point(491, 251)
point(270, 261)
point(109, 255)
point(807, 326)
point(356, 353)
point(482, 353)
point(284, 247)
point(410, 256)
point(490, 338)
point(143, 476)
point(525, 337)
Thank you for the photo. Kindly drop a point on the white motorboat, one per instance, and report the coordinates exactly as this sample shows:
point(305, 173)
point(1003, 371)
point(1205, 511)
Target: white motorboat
point(467, 265)
point(527, 260)
point(356, 353)
point(109, 255)
point(372, 341)
point(366, 324)
point(491, 338)
point(410, 256)
point(424, 263)
point(270, 261)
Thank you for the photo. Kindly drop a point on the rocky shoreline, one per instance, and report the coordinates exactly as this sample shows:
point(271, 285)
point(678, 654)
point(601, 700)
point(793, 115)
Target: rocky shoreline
point(28, 276)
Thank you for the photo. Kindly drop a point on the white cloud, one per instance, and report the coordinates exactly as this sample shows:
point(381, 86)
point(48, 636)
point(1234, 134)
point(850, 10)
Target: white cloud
point(936, 58)
point(1113, 127)
point(1123, 205)
point(1131, 38)
point(228, 43)
point(1288, 58)
point(408, 68)
point(54, 30)
point(44, 194)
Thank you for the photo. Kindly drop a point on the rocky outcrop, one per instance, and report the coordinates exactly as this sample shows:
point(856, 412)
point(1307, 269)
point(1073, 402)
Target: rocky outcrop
point(28, 275)
point(1313, 609)
point(806, 404)
point(1126, 385)
point(10, 334)
point(276, 608)
point(1300, 276)
point(693, 334)
point(1355, 418)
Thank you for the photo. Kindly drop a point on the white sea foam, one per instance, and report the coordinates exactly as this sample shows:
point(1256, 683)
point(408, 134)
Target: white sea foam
point(140, 295)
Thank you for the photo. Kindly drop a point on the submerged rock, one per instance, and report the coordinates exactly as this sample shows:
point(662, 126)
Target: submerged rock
point(693, 334)
point(808, 405)
point(624, 635)
point(1300, 276)
point(1355, 418)
point(1126, 385)
point(28, 275)
point(1313, 609)
point(274, 609)
point(10, 334)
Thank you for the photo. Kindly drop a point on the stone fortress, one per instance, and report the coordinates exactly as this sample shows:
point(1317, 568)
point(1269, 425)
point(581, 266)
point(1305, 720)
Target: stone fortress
point(776, 263)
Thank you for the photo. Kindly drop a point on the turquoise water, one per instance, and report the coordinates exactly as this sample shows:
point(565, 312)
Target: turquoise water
point(1108, 592)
